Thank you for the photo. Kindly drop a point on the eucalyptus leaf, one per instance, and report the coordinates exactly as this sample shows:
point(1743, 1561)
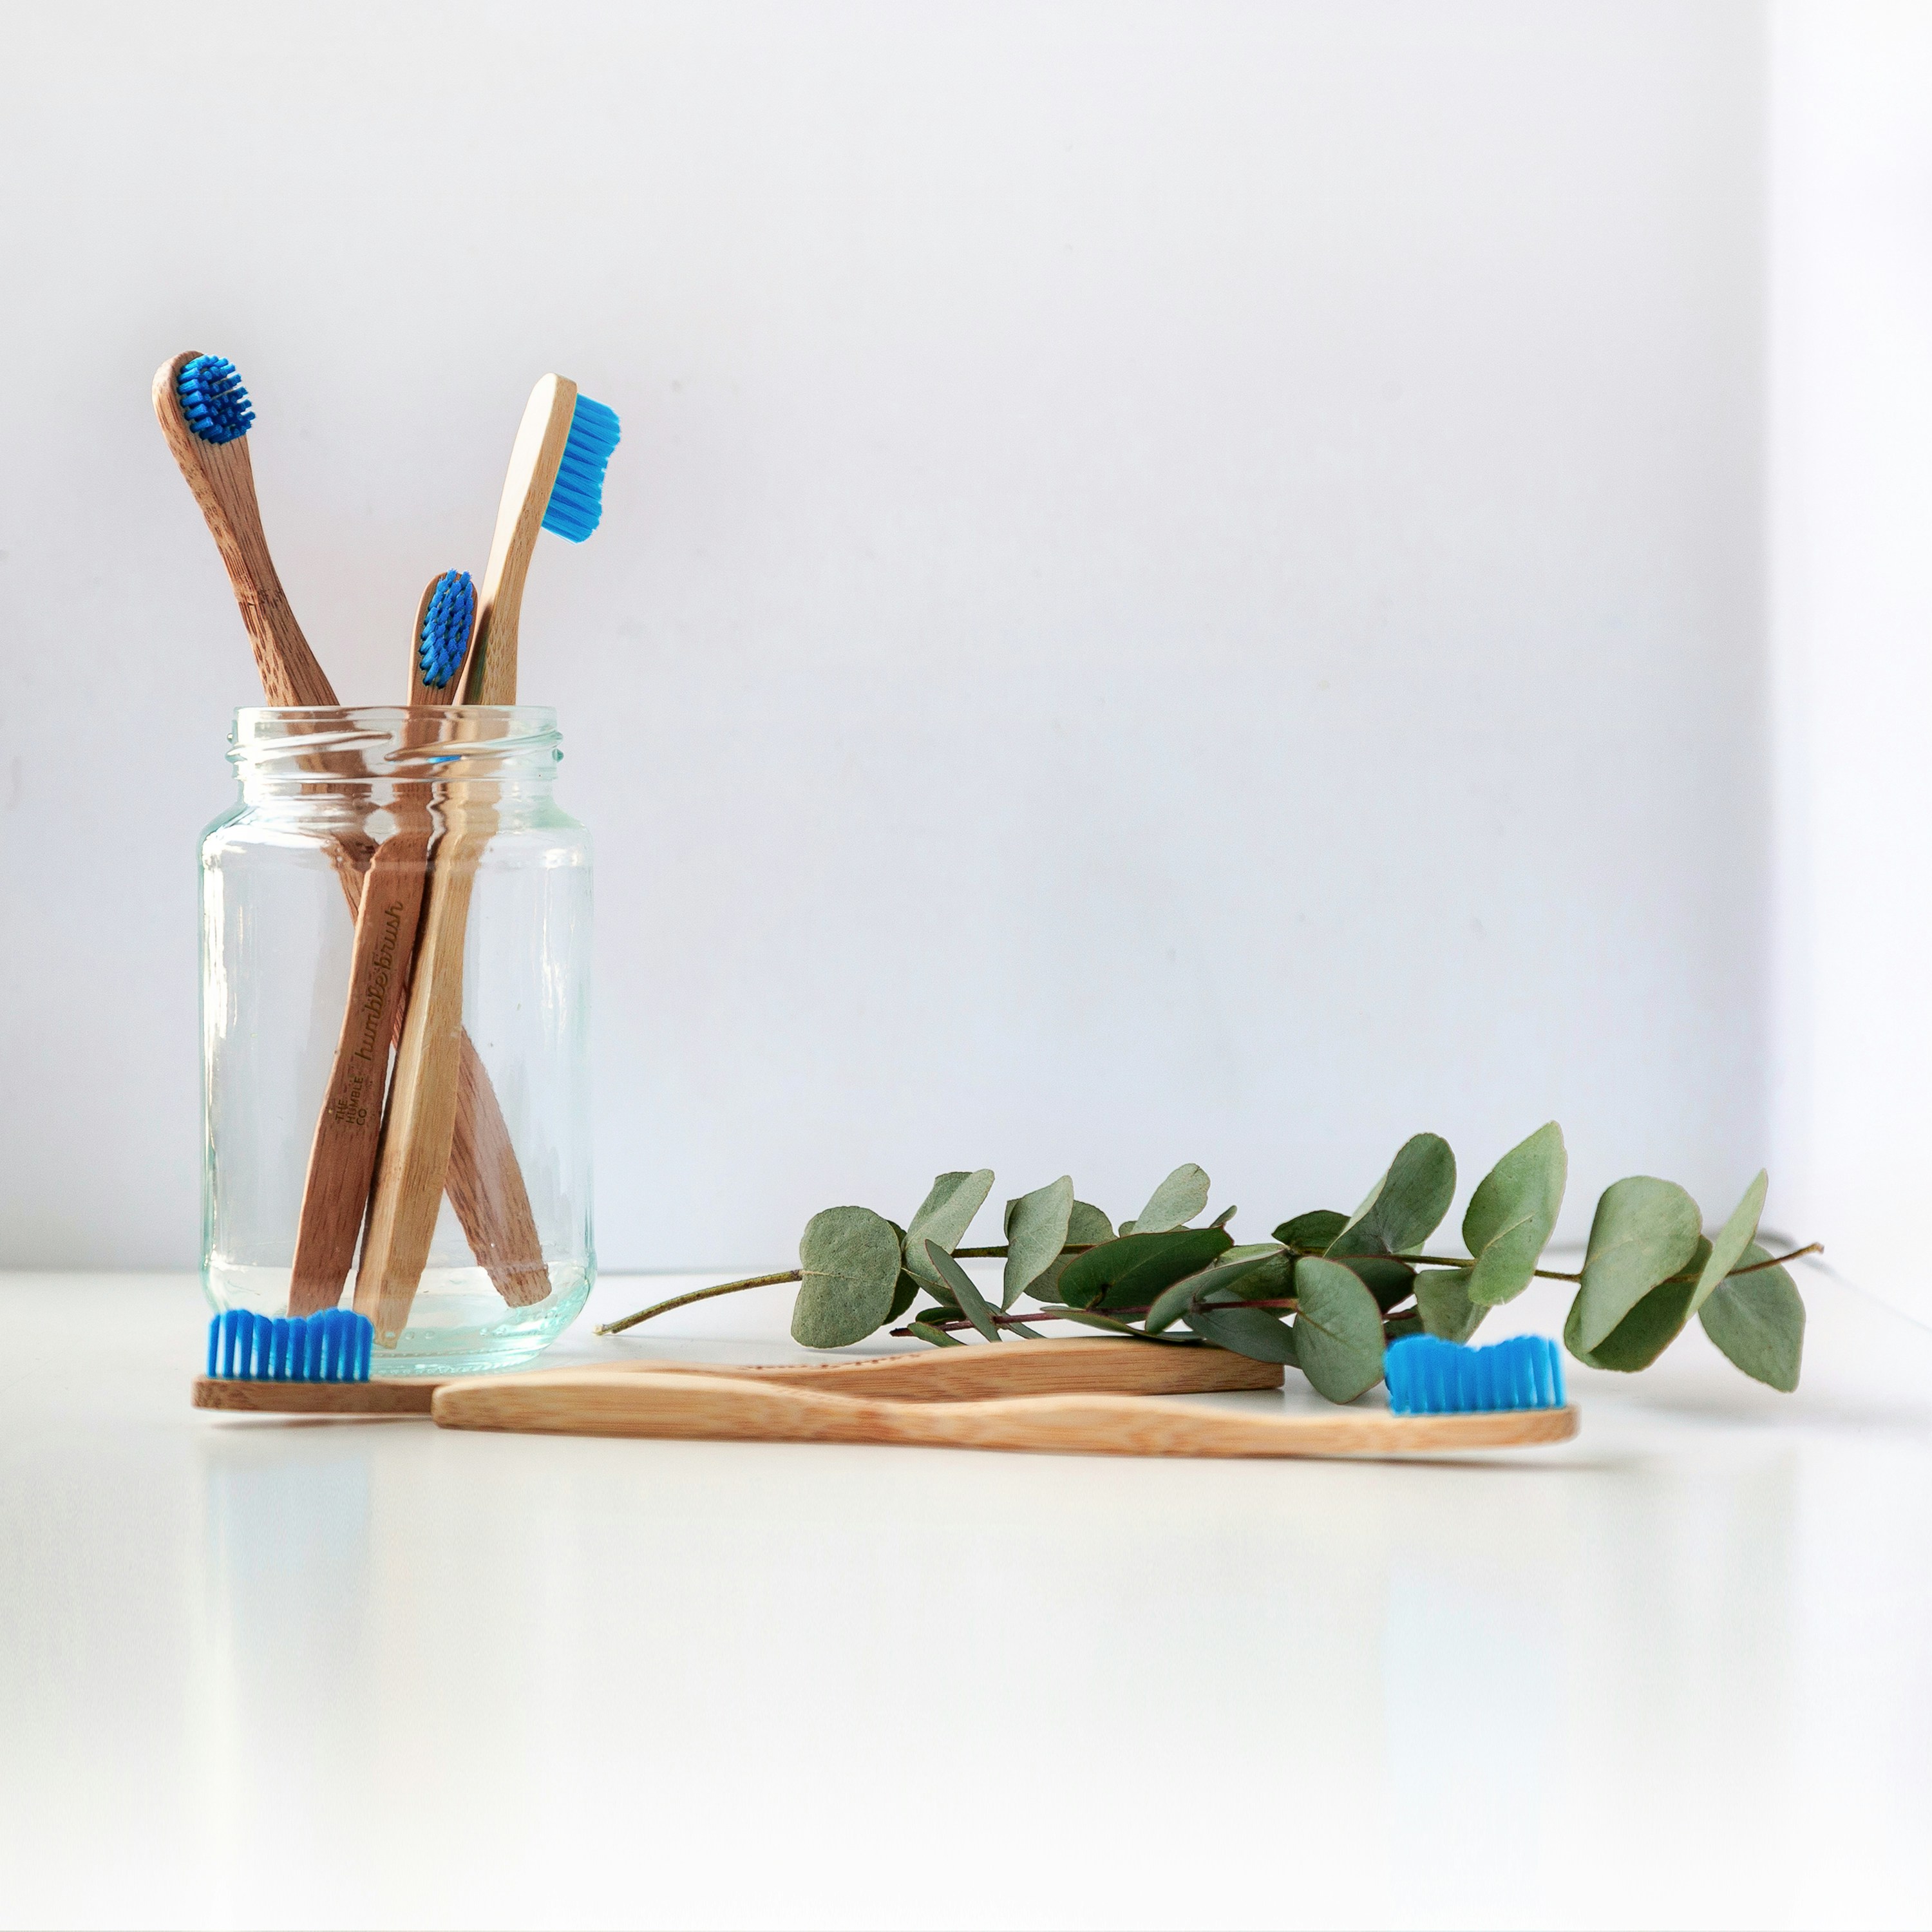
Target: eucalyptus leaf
point(1252, 1332)
point(1338, 1330)
point(906, 1292)
point(1406, 1206)
point(1036, 1225)
point(938, 1337)
point(1087, 1227)
point(1237, 1272)
point(1442, 1300)
point(1390, 1282)
point(1311, 1232)
point(1131, 1270)
point(1647, 1330)
point(972, 1304)
point(944, 1216)
point(1758, 1320)
point(1222, 1219)
point(1736, 1235)
point(1513, 1213)
point(1176, 1202)
point(1644, 1231)
point(848, 1258)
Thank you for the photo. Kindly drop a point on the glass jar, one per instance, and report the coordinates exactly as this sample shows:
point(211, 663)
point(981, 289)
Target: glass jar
point(395, 981)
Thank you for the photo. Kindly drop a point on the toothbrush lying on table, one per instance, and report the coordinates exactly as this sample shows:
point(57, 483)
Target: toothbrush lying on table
point(555, 482)
point(205, 415)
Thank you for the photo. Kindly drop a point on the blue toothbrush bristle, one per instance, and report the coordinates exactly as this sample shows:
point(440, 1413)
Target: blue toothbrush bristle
point(338, 1345)
point(213, 400)
point(445, 628)
point(576, 498)
point(1429, 1376)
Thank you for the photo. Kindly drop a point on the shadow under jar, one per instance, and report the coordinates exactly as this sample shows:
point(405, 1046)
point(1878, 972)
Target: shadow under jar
point(444, 821)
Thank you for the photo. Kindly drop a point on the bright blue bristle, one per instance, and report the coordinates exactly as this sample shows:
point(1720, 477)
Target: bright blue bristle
point(337, 1346)
point(1429, 1376)
point(213, 400)
point(445, 627)
point(577, 497)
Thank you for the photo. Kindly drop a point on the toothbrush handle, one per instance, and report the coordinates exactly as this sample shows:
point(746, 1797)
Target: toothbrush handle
point(579, 1403)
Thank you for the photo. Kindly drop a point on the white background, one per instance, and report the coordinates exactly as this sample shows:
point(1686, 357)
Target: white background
point(1182, 582)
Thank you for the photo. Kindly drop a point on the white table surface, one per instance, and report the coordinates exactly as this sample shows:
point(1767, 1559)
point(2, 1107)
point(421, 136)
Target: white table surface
point(259, 1672)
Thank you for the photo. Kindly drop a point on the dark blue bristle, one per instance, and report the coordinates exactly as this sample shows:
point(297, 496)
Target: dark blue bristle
point(1429, 1376)
point(338, 1345)
point(576, 498)
point(445, 627)
point(213, 400)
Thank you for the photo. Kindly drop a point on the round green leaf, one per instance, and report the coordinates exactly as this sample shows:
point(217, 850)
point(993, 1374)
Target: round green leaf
point(1647, 1330)
point(1644, 1231)
point(1758, 1320)
point(1311, 1232)
point(1177, 1200)
point(1086, 1228)
point(1736, 1235)
point(1338, 1331)
point(1513, 1213)
point(1131, 1271)
point(944, 1216)
point(1252, 1332)
point(1036, 1225)
point(850, 1259)
point(1442, 1300)
point(1407, 1204)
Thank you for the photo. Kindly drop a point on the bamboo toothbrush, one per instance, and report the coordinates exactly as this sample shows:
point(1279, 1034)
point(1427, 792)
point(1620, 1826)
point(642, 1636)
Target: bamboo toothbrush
point(555, 481)
point(342, 1156)
point(205, 415)
point(942, 1375)
point(1513, 1401)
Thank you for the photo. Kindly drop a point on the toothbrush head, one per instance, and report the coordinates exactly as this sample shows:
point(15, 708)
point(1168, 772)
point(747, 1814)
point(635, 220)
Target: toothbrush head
point(576, 498)
point(445, 628)
point(335, 1345)
point(213, 400)
point(1429, 1376)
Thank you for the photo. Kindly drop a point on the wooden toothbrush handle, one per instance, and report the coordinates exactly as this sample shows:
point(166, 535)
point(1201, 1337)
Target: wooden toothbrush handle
point(581, 1403)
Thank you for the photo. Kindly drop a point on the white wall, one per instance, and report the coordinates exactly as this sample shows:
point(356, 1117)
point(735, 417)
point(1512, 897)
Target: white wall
point(1851, 555)
point(1183, 582)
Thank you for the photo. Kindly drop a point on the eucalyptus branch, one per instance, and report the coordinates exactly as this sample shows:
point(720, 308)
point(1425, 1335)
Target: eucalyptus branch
point(1329, 1274)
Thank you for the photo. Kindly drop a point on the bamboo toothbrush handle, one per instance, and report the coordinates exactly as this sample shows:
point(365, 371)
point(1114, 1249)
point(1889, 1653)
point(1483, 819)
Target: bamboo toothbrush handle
point(535, 458)
point(584, 1403)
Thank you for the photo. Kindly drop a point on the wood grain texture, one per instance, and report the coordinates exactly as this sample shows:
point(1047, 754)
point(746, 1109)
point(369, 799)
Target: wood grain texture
point(535, 458)
point(726, 1408)
point(485, 1182)
point(396, 1396)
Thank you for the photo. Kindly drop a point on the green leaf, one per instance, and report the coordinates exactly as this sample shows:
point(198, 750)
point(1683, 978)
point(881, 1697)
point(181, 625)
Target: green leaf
point(1406, 1205)
point(1733, 1237)
point(1222, 1219)
point(1252, 1332)
point(1758, 1320)
point(972, 1304)
point(1647, 1330)
point(1644, 1231)
point(1338, 1331)
point(1512, 1214)
point(1443, 1300)
point(1311, 1232)
point(944, 1216)
point(1131, 1271)
point(938, 1337)
point(1036, 1225)
point(1238, 1272)
point(1087, 1228)
point(1390, 1282)
point(1177, 1200)
point(906, 1290)
point(849, 1257)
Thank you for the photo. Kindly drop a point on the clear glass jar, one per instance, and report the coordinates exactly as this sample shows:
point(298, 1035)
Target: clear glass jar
point(310, 1188)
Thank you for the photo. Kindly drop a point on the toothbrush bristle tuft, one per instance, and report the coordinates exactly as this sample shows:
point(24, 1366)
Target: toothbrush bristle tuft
point(1429, 1376)
point(576, 498)
point(445, 628)
point(337, 1346)
point(213, 400)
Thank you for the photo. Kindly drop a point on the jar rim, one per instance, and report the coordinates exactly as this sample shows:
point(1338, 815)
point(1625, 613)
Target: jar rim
point(393, 741)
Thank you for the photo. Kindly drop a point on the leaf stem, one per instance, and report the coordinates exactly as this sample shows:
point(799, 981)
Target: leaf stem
point(699, 1294)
